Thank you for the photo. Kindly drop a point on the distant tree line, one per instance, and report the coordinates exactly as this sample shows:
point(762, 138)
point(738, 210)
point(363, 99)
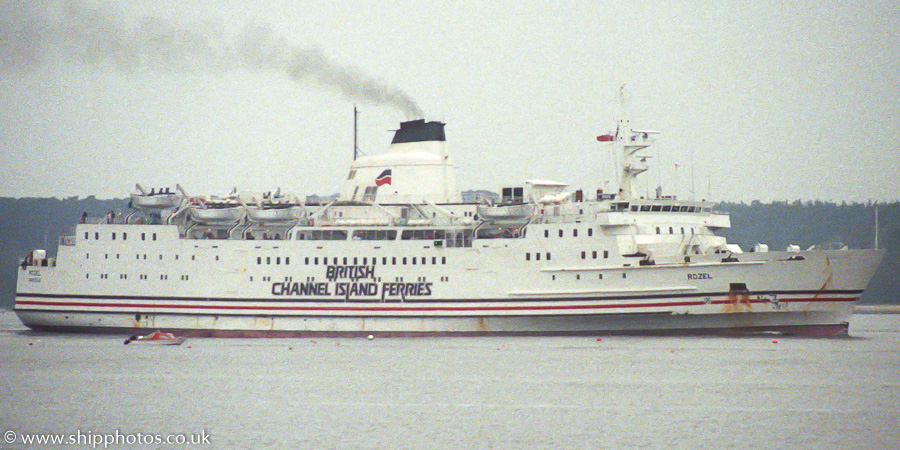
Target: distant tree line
point(30, 223)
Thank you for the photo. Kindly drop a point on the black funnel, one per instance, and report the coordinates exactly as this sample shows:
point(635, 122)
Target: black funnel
point(419, 131)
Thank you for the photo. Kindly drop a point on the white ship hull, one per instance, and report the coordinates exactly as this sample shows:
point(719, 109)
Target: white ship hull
point(485, 290)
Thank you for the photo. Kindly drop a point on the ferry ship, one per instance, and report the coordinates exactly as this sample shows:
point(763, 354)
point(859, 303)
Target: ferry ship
point(401, 252)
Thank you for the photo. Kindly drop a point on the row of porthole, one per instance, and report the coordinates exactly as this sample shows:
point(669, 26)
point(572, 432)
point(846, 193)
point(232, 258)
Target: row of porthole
point(124, 276)
point(537, 256)
point(594, 254)
point(144, 256)
point(590, 232)
point(672, 230)
point(124, 236)
point(277, 260)
point(599, 276)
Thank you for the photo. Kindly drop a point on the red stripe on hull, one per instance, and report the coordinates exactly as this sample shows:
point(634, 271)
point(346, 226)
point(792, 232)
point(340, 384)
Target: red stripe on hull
point(132, 306)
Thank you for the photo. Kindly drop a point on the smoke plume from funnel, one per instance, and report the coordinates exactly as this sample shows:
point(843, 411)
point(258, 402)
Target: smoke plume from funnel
point(68, 32)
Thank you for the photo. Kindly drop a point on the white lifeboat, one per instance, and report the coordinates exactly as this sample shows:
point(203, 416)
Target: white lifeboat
point(216, 213)
point(153, 200)
point(505, 213)
point(274, 213)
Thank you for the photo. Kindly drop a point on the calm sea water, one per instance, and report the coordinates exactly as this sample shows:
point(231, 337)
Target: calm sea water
point(462, 392)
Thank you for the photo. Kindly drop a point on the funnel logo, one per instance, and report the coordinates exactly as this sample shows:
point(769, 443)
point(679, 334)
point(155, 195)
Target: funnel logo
point(384, 178)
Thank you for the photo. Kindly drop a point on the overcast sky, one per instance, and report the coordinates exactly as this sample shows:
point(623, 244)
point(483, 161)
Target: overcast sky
point(773, 100)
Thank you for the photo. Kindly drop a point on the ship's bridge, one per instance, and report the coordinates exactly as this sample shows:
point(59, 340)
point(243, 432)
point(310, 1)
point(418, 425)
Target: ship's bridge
point(415, 169)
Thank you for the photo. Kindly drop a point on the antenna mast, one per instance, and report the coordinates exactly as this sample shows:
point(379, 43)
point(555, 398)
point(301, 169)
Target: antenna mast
point(355, 128)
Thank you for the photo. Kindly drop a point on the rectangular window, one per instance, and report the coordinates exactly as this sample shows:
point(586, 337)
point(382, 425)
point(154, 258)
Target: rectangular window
point(560, 232)
point(277, 260)
point(548, 256)
point(404, 260)
point(528, 257)
point(590, 231)
point(584, 254)
point(268, 260)
point(443, 260)
point(575, 232)
point(594, 254)
point(434, 260)
point(85, 234)
point(605, 254)
point(413, 260)
point(143, 236)
point(114, 236)
point(124, 236)
point(546, 233)
point(154, 236)
point(537, 256)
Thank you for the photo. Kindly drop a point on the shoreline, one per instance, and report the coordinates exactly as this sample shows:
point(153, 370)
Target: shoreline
point(876, 309)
